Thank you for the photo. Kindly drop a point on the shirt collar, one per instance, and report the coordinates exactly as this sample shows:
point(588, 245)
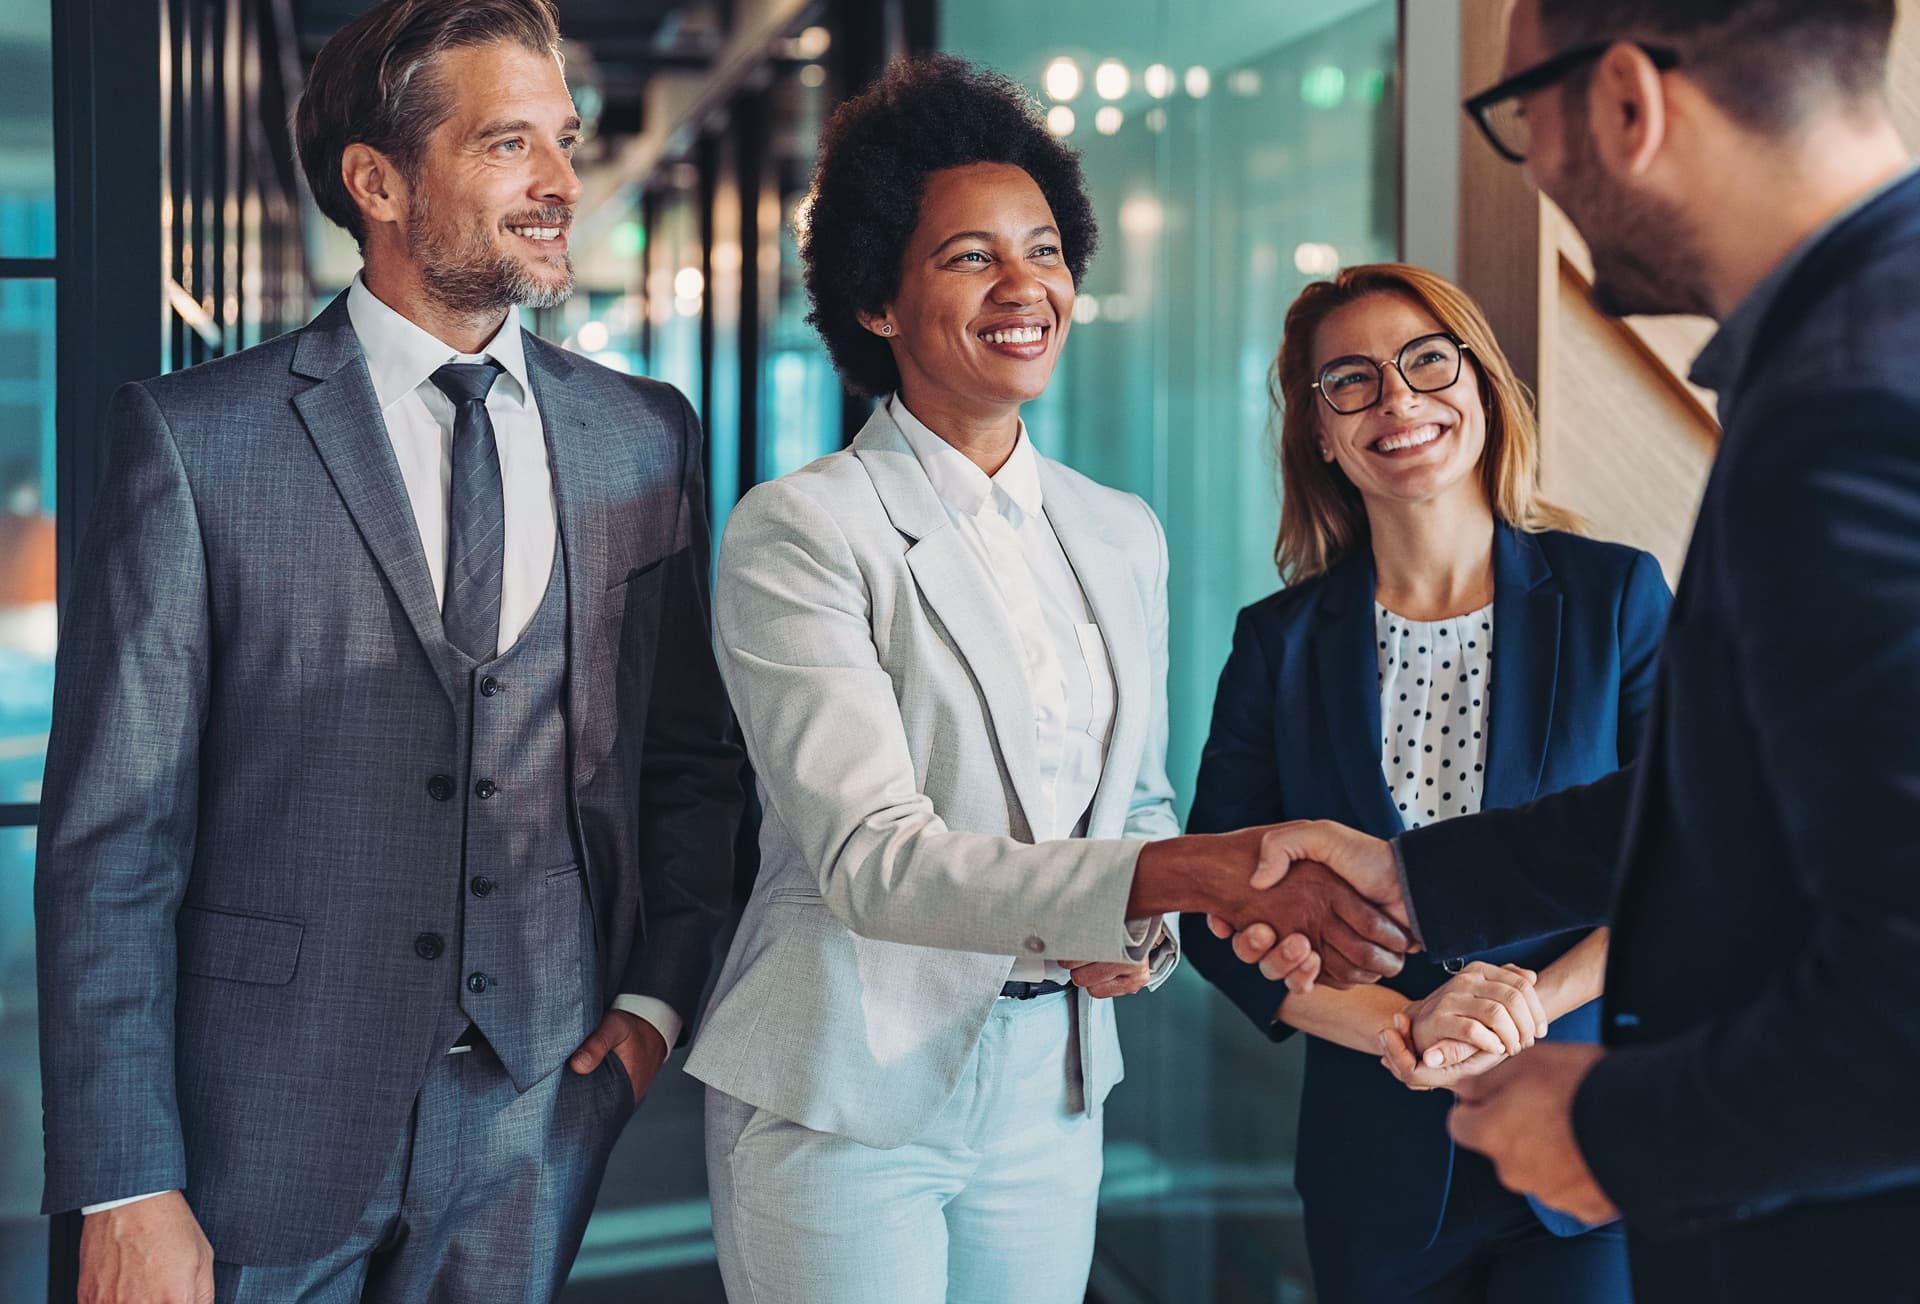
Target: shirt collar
point(401, 356)
point(960, 483)
point(1719, 365)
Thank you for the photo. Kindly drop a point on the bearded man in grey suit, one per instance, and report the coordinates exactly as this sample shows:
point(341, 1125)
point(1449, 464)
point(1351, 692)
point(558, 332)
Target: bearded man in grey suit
point(390, 769)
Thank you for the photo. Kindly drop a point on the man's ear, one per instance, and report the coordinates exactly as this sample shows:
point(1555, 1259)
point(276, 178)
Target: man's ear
point(1627, 110)
point(374, 184)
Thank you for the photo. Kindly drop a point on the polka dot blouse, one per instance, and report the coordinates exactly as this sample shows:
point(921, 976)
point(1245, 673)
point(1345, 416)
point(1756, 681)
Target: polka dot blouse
point(1433, 712)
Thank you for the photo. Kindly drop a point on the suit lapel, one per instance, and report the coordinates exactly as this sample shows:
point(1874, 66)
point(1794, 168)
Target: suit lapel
point(1348, 667)
point(1099, 563)
point(962, 595)
point(579, 471)
point(344, 421)
point(1526, 659)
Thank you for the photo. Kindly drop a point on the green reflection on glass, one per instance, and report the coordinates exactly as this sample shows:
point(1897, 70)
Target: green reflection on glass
point(629, 240)
point(1323, 87)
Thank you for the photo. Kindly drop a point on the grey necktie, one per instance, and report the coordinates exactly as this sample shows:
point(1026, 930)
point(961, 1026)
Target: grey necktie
point(476, 525)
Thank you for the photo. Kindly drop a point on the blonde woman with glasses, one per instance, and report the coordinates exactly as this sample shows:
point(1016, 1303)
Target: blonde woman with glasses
point(1446, 643)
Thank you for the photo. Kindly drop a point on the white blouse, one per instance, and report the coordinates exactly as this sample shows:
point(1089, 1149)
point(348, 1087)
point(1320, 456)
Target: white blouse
point(1433, 711)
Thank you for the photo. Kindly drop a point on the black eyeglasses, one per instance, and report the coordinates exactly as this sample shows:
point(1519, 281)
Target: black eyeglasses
point(1498, 112)
point(1356, 382)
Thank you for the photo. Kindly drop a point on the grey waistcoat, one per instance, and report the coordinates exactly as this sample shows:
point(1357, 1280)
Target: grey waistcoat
point(527, 974)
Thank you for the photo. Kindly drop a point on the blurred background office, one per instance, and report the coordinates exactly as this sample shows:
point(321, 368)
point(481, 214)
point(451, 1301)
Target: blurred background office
point(152, 217)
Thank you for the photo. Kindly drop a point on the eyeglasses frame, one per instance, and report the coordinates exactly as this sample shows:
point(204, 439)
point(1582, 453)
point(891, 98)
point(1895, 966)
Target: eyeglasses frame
point(1381, 364)
point(1550, 72)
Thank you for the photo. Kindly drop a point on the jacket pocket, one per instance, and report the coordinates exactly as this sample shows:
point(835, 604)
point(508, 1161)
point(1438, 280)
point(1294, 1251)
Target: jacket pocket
point(240, 948)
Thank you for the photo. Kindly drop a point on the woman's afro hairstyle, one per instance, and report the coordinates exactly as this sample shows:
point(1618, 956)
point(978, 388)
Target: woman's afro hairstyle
point(922, 116)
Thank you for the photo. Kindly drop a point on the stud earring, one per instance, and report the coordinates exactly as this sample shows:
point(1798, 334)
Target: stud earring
point(886, 328)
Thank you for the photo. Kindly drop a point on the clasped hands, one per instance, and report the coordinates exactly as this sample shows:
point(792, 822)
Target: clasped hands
point(1348, 925)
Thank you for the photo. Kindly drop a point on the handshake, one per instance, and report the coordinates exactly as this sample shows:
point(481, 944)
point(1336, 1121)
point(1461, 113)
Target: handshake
point(1316, 902)
point(1307, 902)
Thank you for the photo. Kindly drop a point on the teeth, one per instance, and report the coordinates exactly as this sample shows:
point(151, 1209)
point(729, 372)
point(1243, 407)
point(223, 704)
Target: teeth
point(536, 232)
point(1411, 439)
point(1021, 335)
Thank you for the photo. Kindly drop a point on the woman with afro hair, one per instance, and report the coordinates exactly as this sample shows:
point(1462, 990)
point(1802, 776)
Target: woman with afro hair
point(947, 654)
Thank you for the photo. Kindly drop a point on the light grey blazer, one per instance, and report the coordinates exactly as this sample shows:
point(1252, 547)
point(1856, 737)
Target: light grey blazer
point(875, 675)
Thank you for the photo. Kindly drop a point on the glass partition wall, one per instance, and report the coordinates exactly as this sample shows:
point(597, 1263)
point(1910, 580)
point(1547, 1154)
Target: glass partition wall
point(1231, 161)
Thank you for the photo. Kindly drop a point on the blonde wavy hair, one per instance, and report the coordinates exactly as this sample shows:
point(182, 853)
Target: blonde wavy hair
point(1322, 518)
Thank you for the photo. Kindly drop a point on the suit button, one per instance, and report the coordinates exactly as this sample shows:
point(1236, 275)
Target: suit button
point(484, 789)
point(477, 982)
point(482, 886)
point(428, 946)
point(1454, 965)
point(489, 685)
point(1034, 945)
point(440, 787)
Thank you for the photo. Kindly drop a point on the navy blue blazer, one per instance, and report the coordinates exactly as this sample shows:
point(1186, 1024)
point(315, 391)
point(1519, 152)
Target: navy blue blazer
point(1296, 735)
point(1756, 1120)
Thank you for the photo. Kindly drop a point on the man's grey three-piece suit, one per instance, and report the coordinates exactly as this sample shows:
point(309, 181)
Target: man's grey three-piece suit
point(296, 845)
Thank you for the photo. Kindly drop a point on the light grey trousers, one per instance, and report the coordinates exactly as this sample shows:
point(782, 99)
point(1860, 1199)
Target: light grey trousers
point(993, 1203)
point(485, 1201)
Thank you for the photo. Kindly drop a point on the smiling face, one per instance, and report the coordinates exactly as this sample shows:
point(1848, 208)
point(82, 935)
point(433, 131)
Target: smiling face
point(1409, 447)
point(487, 217)
point(985, 298)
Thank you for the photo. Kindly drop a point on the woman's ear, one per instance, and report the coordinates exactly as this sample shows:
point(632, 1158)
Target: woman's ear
point(877, 322)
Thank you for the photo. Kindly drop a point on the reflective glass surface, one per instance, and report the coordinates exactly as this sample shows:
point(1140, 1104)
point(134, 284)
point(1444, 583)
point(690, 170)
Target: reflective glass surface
point(26, 129)
point(27, 634)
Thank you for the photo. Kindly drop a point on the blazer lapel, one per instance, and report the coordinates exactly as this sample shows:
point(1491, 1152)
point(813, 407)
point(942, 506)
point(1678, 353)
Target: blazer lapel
point(1099, 563)
point(1526, 659)
point(343, 420)
point(578, 470)
point(1348, 666)
point(962, 595)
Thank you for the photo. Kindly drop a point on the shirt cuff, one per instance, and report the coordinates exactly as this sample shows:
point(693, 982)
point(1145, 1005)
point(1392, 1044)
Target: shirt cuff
point(1164, 957)
point(655, 1011)
point(115, 1204)
point(1406, 890)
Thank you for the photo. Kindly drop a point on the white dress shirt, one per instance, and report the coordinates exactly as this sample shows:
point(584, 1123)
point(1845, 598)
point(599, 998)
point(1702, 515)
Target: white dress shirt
point(1003, 520)
point(401, 359)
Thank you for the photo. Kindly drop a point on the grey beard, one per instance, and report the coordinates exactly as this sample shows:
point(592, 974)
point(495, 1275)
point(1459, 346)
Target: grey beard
point(488, 285)
point(468, 278)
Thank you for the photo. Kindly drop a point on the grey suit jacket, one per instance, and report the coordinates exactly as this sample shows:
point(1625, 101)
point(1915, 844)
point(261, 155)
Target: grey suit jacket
point(237, 851)
point(873, 670)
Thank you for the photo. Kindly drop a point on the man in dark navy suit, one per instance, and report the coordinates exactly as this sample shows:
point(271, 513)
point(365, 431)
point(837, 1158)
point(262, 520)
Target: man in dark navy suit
point(1752, 1112)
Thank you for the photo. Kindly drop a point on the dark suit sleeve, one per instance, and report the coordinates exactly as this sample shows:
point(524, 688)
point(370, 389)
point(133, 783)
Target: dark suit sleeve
point(690, 792)
point(1806, 1093)
point(117, 823)
point(1643, 618)
point(1504, 876)
point(1239, 785)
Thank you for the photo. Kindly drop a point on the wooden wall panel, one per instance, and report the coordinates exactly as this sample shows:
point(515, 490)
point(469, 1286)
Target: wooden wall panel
point(1905, 76)
point(1625, 447)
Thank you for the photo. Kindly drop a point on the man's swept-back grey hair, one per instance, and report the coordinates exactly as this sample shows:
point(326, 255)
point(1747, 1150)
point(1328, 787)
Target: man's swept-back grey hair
point(1765, 62)
point(374, 83)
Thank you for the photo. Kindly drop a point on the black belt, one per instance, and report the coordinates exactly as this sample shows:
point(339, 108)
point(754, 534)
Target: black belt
point(1027, 991)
